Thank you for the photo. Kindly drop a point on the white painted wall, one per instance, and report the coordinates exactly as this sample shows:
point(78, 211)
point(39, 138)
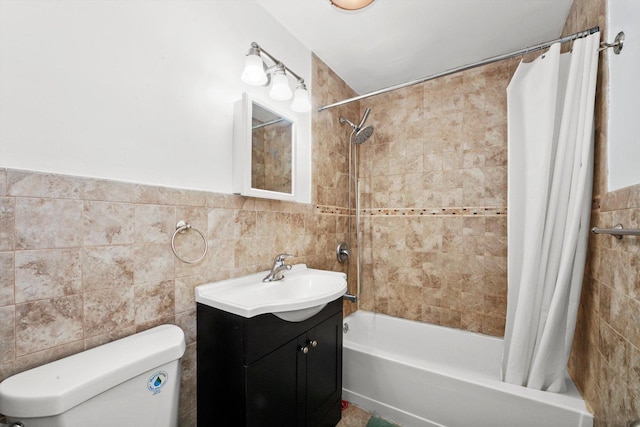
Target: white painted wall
point(136, 90)
point(623, 143)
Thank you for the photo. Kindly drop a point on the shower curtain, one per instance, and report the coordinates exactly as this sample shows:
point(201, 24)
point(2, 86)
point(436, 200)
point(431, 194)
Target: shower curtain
point(550, 174)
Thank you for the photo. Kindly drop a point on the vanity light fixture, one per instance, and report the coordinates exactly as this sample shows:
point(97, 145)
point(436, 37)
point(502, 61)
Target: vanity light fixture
point(351, 4)
point(256, 73)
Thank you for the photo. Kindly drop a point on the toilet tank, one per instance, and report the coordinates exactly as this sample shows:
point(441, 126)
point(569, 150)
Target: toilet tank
point(131, 381)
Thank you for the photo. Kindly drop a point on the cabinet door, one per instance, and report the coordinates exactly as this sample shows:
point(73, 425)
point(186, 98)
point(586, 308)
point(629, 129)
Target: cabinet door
point(324, 372)
point(275, 390)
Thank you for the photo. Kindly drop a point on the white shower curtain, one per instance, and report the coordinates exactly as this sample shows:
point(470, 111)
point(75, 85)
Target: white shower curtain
point(550, 121)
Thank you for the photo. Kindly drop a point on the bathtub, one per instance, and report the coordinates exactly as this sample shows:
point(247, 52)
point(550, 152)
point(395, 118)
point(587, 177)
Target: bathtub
point(416, 374)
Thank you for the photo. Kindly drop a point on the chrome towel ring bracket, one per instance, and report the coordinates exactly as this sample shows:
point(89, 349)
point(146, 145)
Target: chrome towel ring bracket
point(182, 227)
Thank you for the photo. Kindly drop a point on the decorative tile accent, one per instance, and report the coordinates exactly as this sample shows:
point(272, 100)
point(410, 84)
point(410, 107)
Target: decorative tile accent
point(442, 212)
point(335, 210)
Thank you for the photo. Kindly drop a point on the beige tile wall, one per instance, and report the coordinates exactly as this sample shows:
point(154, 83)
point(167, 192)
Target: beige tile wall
point(86, 261)
point(331, 156)
point(605, 361)
point(433, 199)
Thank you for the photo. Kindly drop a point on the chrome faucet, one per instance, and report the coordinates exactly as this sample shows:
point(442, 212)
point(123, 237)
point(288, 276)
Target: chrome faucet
point(278, 269)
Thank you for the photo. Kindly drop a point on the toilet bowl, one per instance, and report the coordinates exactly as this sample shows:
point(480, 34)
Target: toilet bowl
point(134, 381)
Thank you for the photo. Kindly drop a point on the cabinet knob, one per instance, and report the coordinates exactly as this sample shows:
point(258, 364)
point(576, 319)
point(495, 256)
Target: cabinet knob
point(304, 349)
point(313, 343)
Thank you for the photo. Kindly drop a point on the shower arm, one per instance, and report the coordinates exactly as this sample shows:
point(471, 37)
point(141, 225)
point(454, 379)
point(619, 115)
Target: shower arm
point(358, 127)
point(343, 121)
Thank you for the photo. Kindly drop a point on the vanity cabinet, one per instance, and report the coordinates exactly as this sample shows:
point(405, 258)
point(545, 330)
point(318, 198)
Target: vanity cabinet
point(265, 371)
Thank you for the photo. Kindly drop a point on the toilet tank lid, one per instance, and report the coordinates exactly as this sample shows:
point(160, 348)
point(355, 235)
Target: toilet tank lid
point(58, 386)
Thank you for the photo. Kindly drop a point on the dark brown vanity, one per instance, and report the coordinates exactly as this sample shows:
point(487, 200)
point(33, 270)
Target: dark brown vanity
point(265, 371)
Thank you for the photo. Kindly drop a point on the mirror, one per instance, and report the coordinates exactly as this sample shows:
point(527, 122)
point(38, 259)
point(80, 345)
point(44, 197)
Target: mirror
point(271, 151)
point(264, 150)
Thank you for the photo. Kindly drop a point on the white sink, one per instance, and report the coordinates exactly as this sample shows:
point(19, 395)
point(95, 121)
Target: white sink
point(302, 293)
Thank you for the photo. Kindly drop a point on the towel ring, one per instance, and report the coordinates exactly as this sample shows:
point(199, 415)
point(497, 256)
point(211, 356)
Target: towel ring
point(182, 227)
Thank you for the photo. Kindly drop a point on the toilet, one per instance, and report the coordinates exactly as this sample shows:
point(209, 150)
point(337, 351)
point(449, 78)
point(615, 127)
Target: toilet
point(134, 381)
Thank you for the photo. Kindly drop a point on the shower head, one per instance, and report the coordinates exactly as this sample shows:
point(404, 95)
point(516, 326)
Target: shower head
point(363, 134)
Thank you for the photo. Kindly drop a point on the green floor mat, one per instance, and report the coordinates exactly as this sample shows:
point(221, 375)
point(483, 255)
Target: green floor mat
point(379, 422)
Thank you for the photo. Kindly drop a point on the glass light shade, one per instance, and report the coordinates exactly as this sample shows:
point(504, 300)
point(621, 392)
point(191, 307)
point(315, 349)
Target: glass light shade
point(301, 102)
point(280, 90)
point(253, 73)
point(351, 4)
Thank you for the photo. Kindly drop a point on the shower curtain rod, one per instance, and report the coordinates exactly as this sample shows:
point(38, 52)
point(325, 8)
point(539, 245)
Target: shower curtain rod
point(493, 59)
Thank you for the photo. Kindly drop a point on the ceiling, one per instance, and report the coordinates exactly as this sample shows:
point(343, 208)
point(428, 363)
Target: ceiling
point(395, 41)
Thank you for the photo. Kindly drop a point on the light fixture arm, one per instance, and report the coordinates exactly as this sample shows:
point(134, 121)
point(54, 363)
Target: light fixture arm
point(255, 48)
point(256, 73)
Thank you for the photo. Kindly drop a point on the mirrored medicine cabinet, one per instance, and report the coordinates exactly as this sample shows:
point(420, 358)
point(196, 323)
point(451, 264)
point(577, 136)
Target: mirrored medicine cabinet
point(264, 152)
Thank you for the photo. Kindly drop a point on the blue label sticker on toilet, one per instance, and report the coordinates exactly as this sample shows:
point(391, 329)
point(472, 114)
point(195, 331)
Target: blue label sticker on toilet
point(157, 381)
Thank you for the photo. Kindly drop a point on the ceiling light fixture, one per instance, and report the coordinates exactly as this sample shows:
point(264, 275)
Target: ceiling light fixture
point(351, 4)
point(256, 73)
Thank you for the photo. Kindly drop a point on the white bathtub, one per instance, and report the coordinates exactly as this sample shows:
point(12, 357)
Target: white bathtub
point(417, 374)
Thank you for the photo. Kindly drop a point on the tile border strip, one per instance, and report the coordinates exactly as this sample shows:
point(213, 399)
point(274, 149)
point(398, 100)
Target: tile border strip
point(465, 211)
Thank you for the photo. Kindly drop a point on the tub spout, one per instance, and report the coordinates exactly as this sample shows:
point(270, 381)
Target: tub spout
point(350, 297)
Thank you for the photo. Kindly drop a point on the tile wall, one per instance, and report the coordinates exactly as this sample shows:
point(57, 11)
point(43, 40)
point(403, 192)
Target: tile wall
point(85, 261)
point(433, 201)
point(605, 361)
point(331, 157)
